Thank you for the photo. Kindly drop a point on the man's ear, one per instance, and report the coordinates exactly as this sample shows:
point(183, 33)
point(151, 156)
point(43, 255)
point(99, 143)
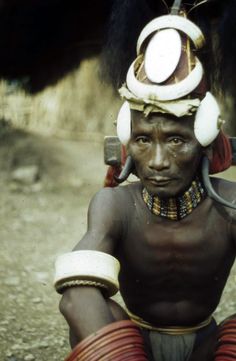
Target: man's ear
point(208, 151)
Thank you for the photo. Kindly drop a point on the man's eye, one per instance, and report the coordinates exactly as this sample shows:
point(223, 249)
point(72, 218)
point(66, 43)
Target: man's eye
point(176, 141)
point(142, 140)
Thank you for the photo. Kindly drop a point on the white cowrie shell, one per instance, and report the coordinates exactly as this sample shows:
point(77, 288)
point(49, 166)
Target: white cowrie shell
point(123, 126)
point(206, 125)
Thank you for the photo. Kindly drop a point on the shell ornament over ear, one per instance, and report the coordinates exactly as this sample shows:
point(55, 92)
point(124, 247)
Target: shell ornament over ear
point(206, 125)
point(123, 126)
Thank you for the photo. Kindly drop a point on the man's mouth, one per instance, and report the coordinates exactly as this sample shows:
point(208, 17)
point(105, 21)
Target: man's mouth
point(159, 181)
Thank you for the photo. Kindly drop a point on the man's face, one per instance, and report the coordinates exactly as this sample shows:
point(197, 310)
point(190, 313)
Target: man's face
point(165, 152)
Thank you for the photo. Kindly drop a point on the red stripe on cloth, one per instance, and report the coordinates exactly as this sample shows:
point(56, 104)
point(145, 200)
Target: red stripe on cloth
point(222, 154)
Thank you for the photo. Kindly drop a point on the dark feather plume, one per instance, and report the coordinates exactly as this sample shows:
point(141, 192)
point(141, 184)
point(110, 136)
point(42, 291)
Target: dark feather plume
point(227, 47)
point(127, 19)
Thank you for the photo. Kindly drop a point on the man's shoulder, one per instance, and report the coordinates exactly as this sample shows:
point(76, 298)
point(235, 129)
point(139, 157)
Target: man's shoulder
point(118, 195)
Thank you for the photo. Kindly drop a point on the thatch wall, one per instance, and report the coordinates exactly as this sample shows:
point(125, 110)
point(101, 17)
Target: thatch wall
point(80, 105)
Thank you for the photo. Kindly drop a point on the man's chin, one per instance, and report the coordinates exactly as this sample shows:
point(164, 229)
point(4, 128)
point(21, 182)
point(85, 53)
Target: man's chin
point(164, 192)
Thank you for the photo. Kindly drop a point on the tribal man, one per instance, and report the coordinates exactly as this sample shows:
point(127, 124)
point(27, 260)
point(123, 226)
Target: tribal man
point(167, 241)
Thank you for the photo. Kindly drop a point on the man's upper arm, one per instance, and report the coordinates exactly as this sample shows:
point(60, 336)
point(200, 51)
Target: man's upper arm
point(104, 223)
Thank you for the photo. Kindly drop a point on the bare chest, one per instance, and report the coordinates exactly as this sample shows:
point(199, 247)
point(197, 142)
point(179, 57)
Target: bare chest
point(196, 245)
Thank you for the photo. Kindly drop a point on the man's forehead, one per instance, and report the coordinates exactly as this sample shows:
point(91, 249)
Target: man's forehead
point(164, 120)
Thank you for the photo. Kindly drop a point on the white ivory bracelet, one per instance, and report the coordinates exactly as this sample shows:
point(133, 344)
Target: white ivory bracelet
point(87, 265)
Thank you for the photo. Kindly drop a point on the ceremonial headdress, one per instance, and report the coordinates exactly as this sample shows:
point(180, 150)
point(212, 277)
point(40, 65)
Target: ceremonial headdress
point(168, 77)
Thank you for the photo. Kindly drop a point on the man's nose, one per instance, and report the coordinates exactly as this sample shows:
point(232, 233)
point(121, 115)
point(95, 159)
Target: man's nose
point(159, 159)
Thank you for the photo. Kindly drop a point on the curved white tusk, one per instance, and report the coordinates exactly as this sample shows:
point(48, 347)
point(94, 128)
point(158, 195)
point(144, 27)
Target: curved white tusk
point(206, 125)
point(164, 92)
point(174, 22)
point(124, 123)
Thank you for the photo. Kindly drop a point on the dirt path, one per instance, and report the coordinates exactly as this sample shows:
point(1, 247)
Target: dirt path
point(38, 221)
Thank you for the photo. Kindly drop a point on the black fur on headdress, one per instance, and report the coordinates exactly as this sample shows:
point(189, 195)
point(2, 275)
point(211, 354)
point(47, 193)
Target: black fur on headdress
point(227, 47)
point(127, 19)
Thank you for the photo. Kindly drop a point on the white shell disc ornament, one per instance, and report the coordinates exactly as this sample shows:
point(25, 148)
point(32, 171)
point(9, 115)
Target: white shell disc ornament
point(206, 125)
point(123, 126)
point(162, 55)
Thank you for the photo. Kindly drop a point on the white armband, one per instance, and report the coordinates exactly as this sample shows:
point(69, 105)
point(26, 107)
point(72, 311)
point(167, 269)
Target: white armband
point(91, 268)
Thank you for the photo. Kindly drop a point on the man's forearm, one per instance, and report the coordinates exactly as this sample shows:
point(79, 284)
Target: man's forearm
point(86, 311)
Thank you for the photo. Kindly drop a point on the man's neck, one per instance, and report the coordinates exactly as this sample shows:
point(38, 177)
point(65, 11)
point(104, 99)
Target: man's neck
point(178, 207)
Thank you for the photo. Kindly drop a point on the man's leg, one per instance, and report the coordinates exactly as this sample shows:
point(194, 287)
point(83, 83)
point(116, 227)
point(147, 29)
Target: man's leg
point(219, 345)
point(118, 313)
point(117, 341)
point(206, 349)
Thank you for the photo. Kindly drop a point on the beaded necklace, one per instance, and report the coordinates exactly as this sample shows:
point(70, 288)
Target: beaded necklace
point(179, 207)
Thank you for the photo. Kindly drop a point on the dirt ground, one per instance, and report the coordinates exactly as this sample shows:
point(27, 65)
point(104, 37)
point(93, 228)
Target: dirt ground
point(46, 184)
